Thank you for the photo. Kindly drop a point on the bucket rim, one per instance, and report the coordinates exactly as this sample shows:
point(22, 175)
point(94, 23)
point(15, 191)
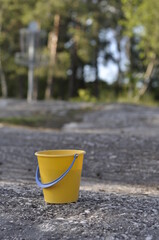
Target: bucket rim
point(43, 153)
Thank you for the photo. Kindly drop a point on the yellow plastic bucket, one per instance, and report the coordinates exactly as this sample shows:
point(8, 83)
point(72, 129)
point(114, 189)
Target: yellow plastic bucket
point(59, 174)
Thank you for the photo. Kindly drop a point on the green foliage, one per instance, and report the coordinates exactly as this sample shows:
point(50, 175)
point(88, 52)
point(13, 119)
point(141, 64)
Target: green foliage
point(142, 20)
point(85, 95)
point(79, 44)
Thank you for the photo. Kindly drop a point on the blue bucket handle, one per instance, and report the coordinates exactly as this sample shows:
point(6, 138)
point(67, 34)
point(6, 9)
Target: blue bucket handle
point(50, 184)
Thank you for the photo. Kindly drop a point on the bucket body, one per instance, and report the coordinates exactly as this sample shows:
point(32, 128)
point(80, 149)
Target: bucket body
point(52, 164)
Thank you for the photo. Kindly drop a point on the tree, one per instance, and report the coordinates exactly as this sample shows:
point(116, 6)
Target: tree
point(2, 74)
point(141, 21)
point(12, 15)
point(52, 45)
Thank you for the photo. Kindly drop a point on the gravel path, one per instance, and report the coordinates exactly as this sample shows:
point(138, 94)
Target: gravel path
point(24, 215)
point(119, 195)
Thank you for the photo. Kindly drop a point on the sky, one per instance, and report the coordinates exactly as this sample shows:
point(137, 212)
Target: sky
point(108, 72)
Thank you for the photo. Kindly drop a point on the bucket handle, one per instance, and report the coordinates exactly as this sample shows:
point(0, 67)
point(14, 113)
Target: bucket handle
point(50, 184)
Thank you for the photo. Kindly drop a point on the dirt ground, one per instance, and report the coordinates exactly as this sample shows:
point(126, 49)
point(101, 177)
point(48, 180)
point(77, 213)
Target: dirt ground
point(119, 194)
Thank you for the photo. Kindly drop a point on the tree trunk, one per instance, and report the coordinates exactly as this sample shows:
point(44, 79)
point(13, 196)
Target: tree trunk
point(131, 86)
point(119, 76)
point(2, 75)
point(147, 78)
point(20, 88)
point(96, 83)
point(52, 45)
point(81, 83)
point(73, 77)
point(3, 82)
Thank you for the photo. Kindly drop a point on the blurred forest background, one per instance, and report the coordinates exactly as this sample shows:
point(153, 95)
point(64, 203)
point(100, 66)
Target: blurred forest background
point(103, 50)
